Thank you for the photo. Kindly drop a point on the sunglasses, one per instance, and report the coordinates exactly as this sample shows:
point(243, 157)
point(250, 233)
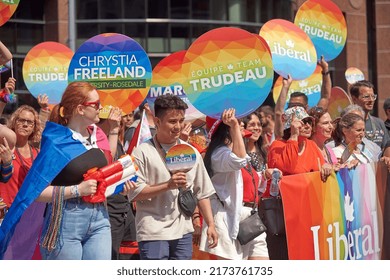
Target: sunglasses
point(307, 121)
point(94, 104)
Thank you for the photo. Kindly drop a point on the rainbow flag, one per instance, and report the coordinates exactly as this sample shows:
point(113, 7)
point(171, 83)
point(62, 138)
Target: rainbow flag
point(338, 219)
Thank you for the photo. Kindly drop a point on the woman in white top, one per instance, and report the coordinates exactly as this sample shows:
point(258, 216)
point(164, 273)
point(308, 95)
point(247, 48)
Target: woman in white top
point(350, 129)
point(225, 157)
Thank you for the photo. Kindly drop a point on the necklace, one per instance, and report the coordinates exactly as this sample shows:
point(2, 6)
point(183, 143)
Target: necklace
point(21, 158)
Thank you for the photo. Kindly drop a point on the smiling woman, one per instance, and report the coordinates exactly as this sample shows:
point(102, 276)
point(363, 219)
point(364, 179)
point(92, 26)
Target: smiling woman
point(351, 128)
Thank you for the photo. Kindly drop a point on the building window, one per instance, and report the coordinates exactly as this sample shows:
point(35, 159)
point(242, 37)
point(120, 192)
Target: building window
point(158, 9)
point(157, 39)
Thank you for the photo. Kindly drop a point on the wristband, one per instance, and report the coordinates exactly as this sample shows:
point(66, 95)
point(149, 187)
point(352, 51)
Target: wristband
point(113, 133)
point(6, 164)
point(325, 73)
point(74, 190)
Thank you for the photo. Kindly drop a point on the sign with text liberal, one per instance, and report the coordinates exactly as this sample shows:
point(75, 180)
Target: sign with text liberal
point(340, 219)
point(292, 50)
point(227, 68)
point(45, 70)
point(180, 157)
point(117, 66)
point(310, 86)
point(325, 24)
point(353, 75)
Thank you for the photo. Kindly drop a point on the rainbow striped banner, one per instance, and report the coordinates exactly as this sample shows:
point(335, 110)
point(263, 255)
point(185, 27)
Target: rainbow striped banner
point(339, 219)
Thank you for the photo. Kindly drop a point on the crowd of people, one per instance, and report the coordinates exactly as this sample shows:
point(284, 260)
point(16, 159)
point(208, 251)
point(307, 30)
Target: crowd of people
point(231, 176)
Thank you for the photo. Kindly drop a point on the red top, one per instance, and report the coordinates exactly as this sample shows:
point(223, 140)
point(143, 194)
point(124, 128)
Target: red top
point(249, 189)
point(283, 155)
point(9, 190)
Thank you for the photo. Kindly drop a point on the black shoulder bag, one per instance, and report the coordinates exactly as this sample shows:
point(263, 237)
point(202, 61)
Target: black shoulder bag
point(252, 226)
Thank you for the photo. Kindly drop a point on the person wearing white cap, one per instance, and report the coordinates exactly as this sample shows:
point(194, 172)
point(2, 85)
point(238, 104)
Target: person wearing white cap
point(295, 153)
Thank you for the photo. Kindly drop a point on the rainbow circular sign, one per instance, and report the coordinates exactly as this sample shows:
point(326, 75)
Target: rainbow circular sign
point(293, 52)
point(168, 79)
point(7, 9)
point(45, 70)
point(310, 86)
point(117, 66)
point(353, 75)
point(338, 101)
point(325, 24)
point(227, 68)
point(180, 157)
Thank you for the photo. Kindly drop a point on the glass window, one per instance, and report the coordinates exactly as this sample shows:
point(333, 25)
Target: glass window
point(252, 11)
point(85, 31)
point(199, 29)
point(111, 28)
point(237, 10)
point(29, 10)
point(180, 9)
point(158, 38)
point(134, 8)
point(136, 31)
point(201, 9)
point(158, 9)
point(8, 36)
point(218, 10)
point(110, 9)
point(275, 9)
point(180, 37)
point(87, 9)
point(26, 42)
point(155, 60)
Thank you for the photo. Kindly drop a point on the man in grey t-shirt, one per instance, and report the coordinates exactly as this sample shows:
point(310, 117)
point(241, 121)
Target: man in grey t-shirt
point(362, 93)
point(163, 231)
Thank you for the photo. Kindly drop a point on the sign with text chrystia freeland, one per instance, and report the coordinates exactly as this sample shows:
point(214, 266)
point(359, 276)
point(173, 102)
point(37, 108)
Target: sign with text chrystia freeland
point(117, 66)
point(341, 219)
point(293, 52)
point(45, 70)
point(168, 79)
point(227, 68)
point(7, 9)
point(310, 86)
point(325, 24)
